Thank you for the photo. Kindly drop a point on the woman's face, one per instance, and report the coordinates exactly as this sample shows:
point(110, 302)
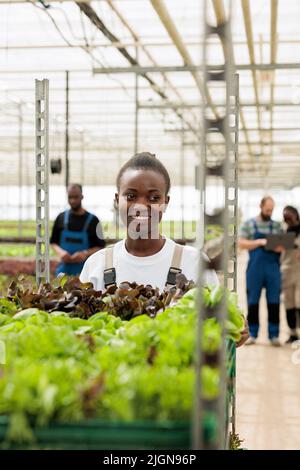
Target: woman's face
point(142, 199)
point(290, 218)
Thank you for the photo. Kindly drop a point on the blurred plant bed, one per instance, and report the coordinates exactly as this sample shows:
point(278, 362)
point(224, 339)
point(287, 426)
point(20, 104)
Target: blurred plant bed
point(11, 228)
point(18, 250)
point(170, 228)
point(212, 232)
point(14, 267)
point(214, 244)
point(6, 280)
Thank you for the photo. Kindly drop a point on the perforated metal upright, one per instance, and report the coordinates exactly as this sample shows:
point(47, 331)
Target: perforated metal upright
point(214, 171)
point(233, 207)
point(42, 179)
point(233, 175)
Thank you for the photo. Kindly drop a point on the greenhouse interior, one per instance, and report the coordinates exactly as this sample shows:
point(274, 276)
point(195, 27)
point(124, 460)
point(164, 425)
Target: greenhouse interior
point(149, 225)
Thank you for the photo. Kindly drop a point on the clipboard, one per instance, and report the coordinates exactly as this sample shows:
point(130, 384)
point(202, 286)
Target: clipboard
point(287, 240)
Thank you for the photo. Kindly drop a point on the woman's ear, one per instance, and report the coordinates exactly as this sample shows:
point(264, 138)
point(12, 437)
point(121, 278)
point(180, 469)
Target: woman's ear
point(117, 199)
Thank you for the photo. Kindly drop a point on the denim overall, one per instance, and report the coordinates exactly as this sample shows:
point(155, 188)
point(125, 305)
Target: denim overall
point(263, 270)
point(73, 241)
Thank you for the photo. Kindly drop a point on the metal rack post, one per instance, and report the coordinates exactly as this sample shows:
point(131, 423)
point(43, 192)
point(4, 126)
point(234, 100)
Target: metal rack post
point(215, 170)
point(233, 203)
point(67, 137)
point(137, 108)
point(233, 174)
point(42, 179)
point(20, 169)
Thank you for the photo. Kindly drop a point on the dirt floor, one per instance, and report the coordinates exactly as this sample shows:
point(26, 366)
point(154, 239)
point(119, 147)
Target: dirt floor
point(268, 386)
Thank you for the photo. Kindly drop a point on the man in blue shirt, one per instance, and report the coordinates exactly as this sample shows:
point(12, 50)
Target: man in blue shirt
point(263, 270)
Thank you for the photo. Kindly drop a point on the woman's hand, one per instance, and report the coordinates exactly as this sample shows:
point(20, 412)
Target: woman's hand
point(244, 335)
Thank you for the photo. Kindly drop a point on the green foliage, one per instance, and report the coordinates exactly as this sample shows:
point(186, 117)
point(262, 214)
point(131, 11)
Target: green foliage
point(19, 250)
point(64, 368)
point(235, 443)
point(212, 232)
point(7, 306)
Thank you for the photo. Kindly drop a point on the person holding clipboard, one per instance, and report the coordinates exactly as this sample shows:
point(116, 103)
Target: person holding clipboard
point(263, 270)
point(290, 271)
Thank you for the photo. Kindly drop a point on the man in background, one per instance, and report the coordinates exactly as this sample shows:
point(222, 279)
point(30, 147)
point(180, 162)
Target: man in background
point(263, 270)
point(75, 234)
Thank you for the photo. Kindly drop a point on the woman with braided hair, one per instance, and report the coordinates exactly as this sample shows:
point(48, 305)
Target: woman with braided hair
point(145, 256)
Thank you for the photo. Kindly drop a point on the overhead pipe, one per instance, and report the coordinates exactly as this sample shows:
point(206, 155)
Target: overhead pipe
point(273, 52)
point(173, 32)
point(141, 46)
point(249, 35)
point(96, 20)
point(220, 17)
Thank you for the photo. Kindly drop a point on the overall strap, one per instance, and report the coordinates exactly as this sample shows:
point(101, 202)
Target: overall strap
point(87, 222)
point(175, 265)
point(66, 219)
point(109, 271)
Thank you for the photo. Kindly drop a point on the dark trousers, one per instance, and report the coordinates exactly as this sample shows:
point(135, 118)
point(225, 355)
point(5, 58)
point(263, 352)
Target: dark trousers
point(291, 315)
point(273, 320)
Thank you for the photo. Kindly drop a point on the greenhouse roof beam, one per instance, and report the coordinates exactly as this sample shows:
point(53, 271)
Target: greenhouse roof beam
point(249, 35)
point(48, 1)
point(151, 69)
point(174, 68)
point(280, 129)
point(129, 44)
point(138, 42)
point(173, 32)
point(140, 45)
point(242, 145)
point(259, 142)
point(221, 19)
point(255, 129)
point(98, 23)
point(194, 105)
point(190, 68)
point(273, 52)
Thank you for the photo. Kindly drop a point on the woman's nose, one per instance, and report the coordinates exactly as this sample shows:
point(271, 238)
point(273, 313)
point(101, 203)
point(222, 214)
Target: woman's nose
point(143, 201)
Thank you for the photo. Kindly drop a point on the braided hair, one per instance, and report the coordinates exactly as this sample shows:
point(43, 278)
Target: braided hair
point(145, 161)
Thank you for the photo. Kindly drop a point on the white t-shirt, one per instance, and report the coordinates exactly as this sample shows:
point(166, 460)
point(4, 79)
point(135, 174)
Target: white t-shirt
point(151, 270)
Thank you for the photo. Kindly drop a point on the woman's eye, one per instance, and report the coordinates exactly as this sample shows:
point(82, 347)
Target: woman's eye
point(155, 198)
point(129, 197)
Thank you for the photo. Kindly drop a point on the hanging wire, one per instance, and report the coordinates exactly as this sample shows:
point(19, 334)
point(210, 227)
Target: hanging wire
point(86, 48)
